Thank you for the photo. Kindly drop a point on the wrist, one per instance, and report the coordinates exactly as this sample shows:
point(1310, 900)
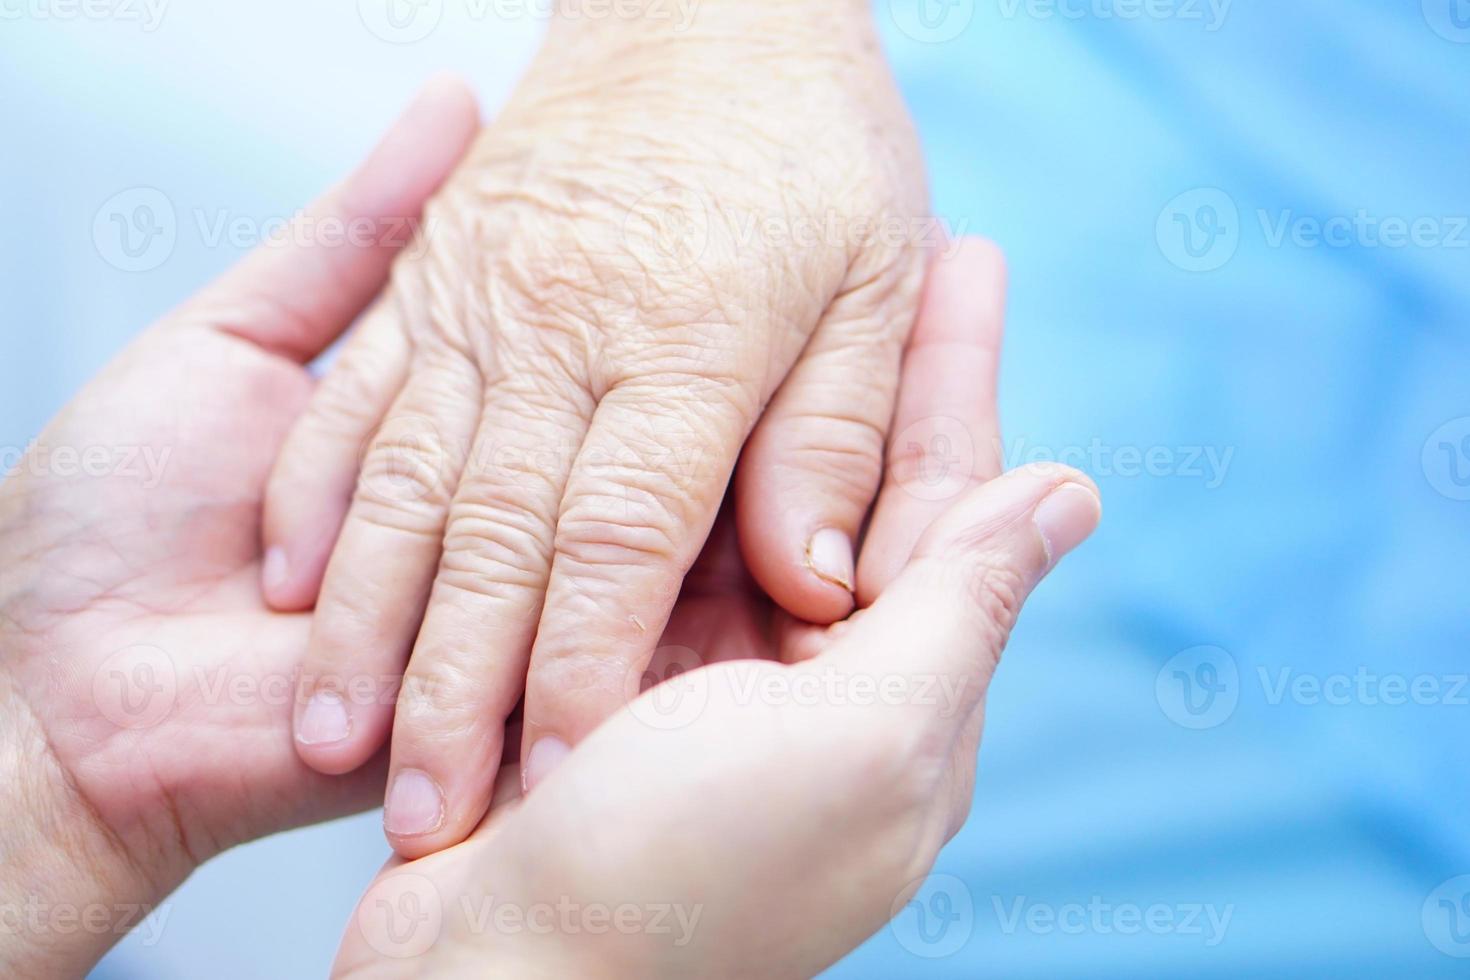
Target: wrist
point(786, 72)
point(697, 18)
point(720, 36)
point(68, 892)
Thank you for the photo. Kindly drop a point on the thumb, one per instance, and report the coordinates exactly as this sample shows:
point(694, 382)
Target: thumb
point(949, 613)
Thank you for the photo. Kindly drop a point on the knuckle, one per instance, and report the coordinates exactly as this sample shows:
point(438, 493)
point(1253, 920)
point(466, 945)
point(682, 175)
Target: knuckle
point(603, 540)
point(525, 475)
point(405, 477)
point(851, 476)
point(997, 592)
point(845, 452)
point(495, 546)
point(616, 523)
point(444, 699)
point(346, 624)
point(570, 680)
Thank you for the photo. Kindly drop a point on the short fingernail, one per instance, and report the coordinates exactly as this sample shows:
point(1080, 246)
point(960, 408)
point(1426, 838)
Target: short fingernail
point(829, 554)
point(546, 755)
point(415, 805)
point(324, 721)
point(276, 569)
point(1065, 517)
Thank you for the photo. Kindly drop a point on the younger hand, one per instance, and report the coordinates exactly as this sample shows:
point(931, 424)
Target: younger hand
point(145, 686)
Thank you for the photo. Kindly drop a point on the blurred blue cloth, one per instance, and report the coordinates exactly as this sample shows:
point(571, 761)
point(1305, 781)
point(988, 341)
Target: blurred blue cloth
point(1277, 417)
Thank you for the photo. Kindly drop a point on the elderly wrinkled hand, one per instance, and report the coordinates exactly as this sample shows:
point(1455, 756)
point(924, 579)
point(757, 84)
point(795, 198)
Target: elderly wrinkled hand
point(676, 242)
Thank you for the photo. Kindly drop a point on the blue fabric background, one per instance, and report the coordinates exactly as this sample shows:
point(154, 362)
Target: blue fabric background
point(1140, 752)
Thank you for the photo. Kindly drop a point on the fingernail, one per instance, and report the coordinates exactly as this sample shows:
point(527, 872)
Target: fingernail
point(324, 721)
point(545, 756)
point(829, 554)
point(415, 805)
point(1065, 517)
point(276, 570)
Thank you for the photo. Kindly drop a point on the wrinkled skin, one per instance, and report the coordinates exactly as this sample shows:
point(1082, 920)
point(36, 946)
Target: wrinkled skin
point(667, 243)
point(764, 809)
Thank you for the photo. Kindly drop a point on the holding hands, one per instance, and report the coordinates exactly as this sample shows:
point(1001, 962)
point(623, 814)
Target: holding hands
point(570, 446)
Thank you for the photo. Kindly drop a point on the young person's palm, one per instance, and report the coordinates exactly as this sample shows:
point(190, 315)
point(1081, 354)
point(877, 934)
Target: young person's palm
point(141, 667)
